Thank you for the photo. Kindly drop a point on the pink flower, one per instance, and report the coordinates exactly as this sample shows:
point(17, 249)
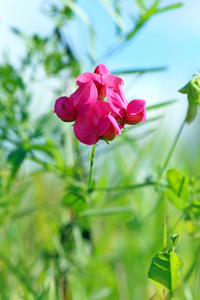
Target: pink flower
point(95, 119)
point(96, 123)
point(130, 113)
point(102, 79)
point(67, 109)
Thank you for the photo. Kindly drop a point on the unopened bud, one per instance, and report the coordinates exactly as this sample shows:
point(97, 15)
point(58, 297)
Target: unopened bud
point(192, 89)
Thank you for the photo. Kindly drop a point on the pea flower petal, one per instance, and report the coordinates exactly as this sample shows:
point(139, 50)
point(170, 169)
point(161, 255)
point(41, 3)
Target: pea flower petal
point(94, 123)
point(84, 97)
point(117, 102)
point(108, 127)
point(135, 112)
point(101, 80)
point(131, 113)
point(67, 109)
point(64, 109)
point(101, 69)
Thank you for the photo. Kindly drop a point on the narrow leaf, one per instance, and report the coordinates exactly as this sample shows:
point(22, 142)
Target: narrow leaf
point(169, 7)
point(142, 70)
point(107, 211)
point(166, 103)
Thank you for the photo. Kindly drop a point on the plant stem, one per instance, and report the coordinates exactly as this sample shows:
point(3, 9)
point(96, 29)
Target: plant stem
point(129, 187)
point(171, 151)
point(91, 166)
point(198, 165)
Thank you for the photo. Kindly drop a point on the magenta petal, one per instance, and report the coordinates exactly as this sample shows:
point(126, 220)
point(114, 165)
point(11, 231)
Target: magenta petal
point(84, 97)
point(115, 124)
point(86, 125)
point(136, 106)
point(116, 102)
point(102, 108)
point(122, 124)
point(101, 69)
point(87, 77)
point(136, 112)
point(105, 122)
point(64, 109)
point(111, 81)
point(85, 128)
point(108, 127)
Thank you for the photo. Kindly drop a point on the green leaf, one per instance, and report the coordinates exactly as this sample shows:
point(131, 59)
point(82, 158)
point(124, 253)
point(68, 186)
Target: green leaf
point(174, 199)
point(149, 120)
point(156, 296)
point(75, 201)
point(175, 239)
point(178, 182)
point(169, 7)
point(142, 70)
point(164, 270)
point(16, 158)
point(166, 103)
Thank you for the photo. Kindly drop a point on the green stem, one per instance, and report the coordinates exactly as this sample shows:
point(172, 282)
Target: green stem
point(198, 165)
point(171, 150)
point(129, 187)
point(91, 166)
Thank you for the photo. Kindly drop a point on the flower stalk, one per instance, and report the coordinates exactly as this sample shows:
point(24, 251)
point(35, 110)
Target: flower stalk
point(91, 167)
point(171, 151)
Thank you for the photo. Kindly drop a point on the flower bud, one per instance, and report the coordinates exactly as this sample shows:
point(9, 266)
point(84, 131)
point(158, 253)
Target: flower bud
point(192, 89)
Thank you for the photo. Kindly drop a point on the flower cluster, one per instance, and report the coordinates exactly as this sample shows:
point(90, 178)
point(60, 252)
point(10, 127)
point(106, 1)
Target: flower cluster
point(95, 118)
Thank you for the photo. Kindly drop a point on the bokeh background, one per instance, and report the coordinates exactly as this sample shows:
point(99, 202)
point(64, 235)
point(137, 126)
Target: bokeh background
point(59, 240)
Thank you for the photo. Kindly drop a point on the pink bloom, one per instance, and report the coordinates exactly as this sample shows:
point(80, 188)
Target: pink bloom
point(130, 113)
point(67, 109)
point(101, 69)
point(96, 123)
point(96, 119)
point(102, 79)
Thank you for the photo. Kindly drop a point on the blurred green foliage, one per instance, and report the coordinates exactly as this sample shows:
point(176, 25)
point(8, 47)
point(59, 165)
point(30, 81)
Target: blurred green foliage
point(60, 238)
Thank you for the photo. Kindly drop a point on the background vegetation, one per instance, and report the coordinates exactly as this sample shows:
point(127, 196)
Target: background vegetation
point(61, 238)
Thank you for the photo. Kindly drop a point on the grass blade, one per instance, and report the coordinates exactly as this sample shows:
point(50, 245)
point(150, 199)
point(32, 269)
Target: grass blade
point(141, 71)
